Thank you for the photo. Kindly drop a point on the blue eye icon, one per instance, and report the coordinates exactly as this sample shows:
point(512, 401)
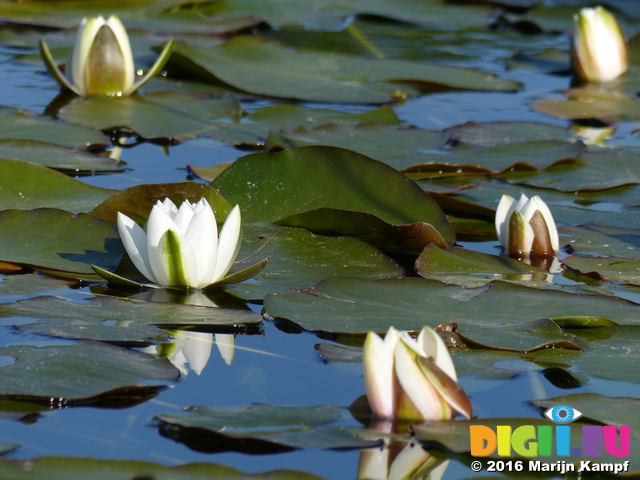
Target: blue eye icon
point(562, 414)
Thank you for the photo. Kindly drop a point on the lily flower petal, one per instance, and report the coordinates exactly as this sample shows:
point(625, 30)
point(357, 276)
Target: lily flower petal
point(135, 243)
point(229, 244)
point(378, 375)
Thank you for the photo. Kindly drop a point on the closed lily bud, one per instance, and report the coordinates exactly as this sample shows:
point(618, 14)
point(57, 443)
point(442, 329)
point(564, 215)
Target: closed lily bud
point(526, 228)
point(412, 380)
point(181, 247)
point(101, 62)
point(599, 49)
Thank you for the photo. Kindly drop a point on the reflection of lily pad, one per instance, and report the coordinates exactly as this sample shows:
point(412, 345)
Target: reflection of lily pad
point(82, 373)
point(331, 190)
point(299, 259)
point(59, 242)
point(260, 429)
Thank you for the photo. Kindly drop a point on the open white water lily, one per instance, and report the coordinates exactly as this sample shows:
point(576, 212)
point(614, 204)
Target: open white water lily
point(101, 62)
point(412, 380)
point(526, 228)
point(599, 49)
point(181, 247)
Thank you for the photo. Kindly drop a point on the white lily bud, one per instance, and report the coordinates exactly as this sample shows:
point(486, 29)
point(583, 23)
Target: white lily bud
point(526, 227)
point(412, 380)
point(101, 62)
point(599, 49)
point(181, 247)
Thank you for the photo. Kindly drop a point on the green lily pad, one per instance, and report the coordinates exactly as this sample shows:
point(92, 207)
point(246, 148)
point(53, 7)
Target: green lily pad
point(101, 373)
point(330, 190)
point(118, 321)
point(266, 68)
point(471, 269)
point(73, 468)
point(356, 306)
point(453, 437)
point(586, 104)
point(477, 160)
point(67, 160)
point(59, 242)
point(260, 429)
point(157, 115)
point(504, 133)
point(398, 147)
point(25, 125)
point(30, 283)
point(608, 269)
point(26, 185)
point(136, 202)
point(601, 240)
point(604, 410)
point(603, 359)
point(599, 170)
point(299, 259)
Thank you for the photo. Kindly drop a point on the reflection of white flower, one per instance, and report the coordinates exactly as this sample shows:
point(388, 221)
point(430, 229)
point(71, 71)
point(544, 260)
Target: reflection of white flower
point(526, 227)
point(599, 50)
point(101, 62)
point(181, 247)
point(412, 380)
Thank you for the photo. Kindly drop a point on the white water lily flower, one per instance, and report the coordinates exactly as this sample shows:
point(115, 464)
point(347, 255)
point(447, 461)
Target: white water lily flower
point(412, 380)
point(599, 49)
point(526, 227)
point(101, 62)
point(181, 247)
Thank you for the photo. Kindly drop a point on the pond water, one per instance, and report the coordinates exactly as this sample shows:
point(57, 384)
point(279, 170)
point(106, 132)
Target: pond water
point(279, 363)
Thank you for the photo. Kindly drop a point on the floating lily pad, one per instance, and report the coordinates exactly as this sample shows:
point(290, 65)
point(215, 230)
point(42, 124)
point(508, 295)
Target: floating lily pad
point(603, 360)
point(100, 373)
point(599, 170)
point(157, 115)
point(59, 242)
point(453, 437)
point(398, 147)
point(604, 410)
point(504, 133)
point(355, 306)
point(475, 160)
point(25, 125)
point(608, 269)
point(266, 68)
point(299, 259)
point(260, 429)
point(30, 283)
point(331, 190)
point(471, 269)
point(26, 185)
point(136, 202)
point(586, 104)
point(64, 159)
point(601, 240)
point(73, 468)
point(118, 321)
